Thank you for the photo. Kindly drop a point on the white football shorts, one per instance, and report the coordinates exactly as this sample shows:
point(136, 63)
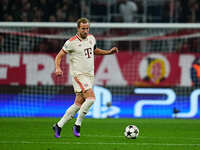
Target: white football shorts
point(81, 83)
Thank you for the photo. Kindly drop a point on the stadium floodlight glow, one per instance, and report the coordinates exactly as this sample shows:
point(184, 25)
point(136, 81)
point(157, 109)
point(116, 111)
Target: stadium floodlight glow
point(193, 106)
point(171, 96)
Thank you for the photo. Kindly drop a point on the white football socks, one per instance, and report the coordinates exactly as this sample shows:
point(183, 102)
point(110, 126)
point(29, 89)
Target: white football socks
point(84, 110)
point(69, 114)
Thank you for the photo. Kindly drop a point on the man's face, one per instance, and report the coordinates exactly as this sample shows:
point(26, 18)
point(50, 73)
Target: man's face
point(83, 30)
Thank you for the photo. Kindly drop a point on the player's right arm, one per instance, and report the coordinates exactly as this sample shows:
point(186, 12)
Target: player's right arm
point(58, 59)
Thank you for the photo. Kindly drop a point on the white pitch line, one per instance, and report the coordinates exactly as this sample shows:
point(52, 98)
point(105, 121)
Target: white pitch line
point(98, 143)
point(145, 137)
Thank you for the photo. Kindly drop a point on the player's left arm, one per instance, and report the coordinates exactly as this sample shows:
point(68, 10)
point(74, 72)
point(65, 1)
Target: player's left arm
point(99, 51)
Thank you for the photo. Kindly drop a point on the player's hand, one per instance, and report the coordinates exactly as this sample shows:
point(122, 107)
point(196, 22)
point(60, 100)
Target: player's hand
point(59, 72)
point(114, 50)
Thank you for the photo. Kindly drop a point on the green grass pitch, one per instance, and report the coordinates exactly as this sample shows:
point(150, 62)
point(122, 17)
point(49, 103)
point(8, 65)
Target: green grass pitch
point(100, 134)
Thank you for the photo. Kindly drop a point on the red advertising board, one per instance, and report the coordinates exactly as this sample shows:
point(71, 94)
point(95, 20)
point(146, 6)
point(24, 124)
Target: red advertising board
point(124, 68)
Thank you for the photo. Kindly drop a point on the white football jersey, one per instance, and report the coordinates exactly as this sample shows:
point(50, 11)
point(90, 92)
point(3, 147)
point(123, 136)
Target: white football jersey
point(81, 53)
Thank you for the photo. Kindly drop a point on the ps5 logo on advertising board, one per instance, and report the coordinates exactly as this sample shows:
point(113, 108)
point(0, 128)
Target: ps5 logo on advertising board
point(102, 107)
point(170, 99)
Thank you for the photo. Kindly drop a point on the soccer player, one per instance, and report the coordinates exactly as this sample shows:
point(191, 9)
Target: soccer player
point(81, 49)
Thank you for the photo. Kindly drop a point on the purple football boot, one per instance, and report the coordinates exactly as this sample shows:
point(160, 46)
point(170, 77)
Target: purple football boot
point(57, 131)
point(76, 130)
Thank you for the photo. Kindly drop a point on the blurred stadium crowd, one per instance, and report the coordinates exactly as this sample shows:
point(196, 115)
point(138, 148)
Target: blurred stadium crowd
point(141, 11)
point(39, 10)
point(100, 10)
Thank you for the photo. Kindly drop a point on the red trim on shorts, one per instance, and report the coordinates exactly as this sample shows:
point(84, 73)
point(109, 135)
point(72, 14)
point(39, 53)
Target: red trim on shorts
point(80, 84)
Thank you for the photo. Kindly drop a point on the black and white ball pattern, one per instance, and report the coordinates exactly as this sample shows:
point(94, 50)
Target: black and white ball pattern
point(131, 132)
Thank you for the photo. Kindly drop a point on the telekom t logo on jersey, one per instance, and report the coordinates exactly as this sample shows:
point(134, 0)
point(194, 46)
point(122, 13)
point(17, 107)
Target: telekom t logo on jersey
point(88, 52)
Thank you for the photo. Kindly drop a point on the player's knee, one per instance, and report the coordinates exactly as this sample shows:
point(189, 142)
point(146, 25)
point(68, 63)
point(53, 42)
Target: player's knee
point(88, 93)
point(78, 103)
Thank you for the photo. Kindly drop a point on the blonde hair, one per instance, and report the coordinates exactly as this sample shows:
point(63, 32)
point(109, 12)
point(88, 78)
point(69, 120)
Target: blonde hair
point(82, 20)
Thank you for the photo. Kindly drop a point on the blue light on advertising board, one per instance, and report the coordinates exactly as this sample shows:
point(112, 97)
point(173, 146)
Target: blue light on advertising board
point(141, 103)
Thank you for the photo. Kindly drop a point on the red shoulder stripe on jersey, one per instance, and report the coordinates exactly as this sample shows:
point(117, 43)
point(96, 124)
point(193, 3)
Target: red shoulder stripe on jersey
point(78, 37)
point(64, 51)
point(73, 38)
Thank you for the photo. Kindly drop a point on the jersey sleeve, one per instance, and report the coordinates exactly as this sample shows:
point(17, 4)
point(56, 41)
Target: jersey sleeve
point(67, 46)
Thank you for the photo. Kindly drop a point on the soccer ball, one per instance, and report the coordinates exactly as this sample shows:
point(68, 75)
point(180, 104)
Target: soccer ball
point(131, 132)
